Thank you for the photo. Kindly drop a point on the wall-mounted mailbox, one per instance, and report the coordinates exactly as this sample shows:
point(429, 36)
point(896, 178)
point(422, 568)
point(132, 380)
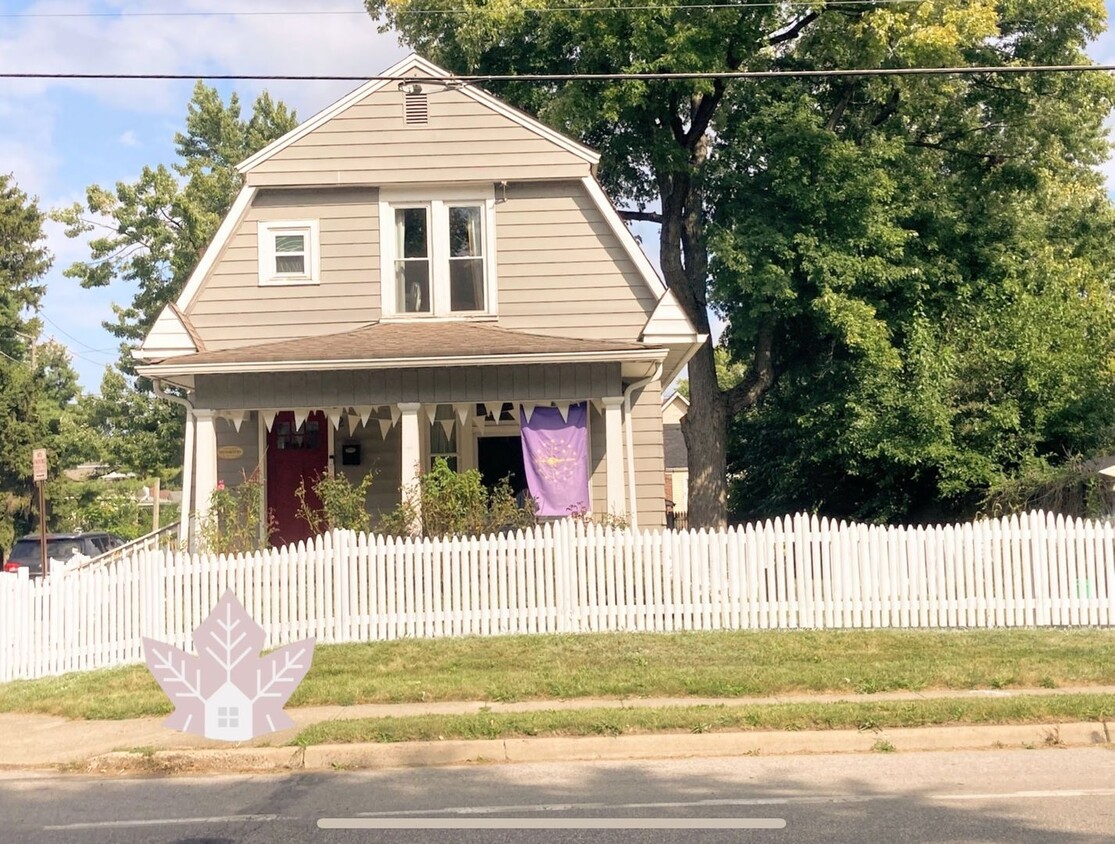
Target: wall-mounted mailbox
point(350, 454)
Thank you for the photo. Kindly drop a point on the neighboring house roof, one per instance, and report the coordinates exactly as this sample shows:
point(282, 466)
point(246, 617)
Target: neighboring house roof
point(404, 344)
point(673, 444)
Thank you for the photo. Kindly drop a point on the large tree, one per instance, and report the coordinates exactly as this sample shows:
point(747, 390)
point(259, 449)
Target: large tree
point(805, 209)
point(24, 260)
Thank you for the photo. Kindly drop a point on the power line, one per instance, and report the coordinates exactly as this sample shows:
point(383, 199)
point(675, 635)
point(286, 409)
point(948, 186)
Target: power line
point(625, 7)
point(79, 342)
point(452, 81)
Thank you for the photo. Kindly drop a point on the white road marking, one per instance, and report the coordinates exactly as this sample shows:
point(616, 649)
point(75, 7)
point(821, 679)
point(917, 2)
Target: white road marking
point(170, 821)
point(1030, 795)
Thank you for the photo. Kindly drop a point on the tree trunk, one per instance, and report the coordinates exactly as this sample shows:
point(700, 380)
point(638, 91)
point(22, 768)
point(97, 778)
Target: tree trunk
point(704, 428)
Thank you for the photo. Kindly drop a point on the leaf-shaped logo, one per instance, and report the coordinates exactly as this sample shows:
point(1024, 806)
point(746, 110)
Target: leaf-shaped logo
point(228, 691)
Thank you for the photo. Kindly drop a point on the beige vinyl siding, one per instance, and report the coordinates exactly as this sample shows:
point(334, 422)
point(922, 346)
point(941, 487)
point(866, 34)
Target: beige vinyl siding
point(231, 472)
point(381, 457)
point(464, 141)
point(232, 309)
point(650, 471)
point(562, 270)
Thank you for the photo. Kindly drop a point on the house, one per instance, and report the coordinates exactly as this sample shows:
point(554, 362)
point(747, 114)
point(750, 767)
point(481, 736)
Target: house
point(228, 714)
point(675, 454)
point(422, 271)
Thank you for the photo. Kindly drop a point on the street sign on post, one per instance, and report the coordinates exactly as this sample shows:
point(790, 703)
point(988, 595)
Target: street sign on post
point(38, 463)
point(38, 469)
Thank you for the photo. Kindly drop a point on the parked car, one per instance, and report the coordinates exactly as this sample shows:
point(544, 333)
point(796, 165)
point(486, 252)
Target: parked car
point(59, 546)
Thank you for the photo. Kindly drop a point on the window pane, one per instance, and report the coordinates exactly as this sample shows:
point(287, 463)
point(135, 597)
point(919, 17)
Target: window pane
point(413, 286)
point(464, 232)
point(290, 264)
point(410, 233)
point(466, 284)
point(285, 243)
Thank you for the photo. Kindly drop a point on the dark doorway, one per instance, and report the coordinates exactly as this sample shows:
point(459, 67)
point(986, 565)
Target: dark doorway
point(499, 458)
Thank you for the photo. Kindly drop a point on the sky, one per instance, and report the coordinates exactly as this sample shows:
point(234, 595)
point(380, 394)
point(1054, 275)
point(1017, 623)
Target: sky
point(59, 137)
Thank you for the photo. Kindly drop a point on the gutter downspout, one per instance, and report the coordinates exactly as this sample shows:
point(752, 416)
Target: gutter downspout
point(187, 508)
point(633, 509)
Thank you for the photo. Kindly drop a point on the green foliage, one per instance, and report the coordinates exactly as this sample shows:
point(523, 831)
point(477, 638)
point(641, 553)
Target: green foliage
point(927, 258)
point(24, 411)
point(343, 504)
point(234, 523)
point(458, 504)
point(97, 504)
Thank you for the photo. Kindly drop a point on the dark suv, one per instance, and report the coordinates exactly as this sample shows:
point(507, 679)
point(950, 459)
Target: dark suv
point(59, 546)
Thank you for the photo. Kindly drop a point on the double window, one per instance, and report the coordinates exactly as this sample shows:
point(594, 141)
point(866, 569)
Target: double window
point(289, 253)
point(437, 257)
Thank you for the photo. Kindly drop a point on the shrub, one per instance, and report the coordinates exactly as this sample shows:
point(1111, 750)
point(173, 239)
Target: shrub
point(458, 504)
point(343, 504)
point(234, 523)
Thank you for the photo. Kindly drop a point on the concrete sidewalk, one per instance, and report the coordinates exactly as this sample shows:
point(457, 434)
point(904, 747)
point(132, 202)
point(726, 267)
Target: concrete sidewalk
point(43, 741)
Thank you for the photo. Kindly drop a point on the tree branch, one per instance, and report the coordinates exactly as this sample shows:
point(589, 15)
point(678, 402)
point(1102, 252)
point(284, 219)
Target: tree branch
point(795, 29)
point(645, 216)
point(760, 375)
point(991, 158)
point(888, 110)
point(841, 106)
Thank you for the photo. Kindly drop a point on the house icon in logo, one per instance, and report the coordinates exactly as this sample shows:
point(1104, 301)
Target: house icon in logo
point(228, 714)
point(228, 691)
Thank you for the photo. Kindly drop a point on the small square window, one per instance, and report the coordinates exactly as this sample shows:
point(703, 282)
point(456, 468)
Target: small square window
point(288, 253)
point(228, 717)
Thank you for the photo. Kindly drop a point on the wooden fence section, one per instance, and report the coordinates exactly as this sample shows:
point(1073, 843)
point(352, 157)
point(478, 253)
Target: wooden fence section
point(797, 572)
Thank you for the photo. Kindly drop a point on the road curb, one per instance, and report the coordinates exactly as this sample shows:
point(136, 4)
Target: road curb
point(326, 757)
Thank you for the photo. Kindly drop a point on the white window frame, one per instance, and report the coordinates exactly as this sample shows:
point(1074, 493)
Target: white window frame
point(268, 232)
point(437, 204)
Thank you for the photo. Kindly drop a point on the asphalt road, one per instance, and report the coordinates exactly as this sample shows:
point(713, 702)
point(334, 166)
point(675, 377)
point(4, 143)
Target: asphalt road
point(1049, 794)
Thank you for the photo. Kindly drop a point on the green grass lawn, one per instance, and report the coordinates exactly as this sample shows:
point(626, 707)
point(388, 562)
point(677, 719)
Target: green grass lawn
point(712, 664)
point(874, 715)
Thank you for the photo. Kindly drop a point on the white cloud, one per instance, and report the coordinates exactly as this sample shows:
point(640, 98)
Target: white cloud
point(129, 139)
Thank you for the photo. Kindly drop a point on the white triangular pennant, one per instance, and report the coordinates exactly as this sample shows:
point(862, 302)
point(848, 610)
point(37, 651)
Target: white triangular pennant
point(385, 426)
point(462, 411)
point(563, 409)
point(447, 426)
point(365, 413)
point(335, 414)
point(353, 420)
point(527, 409)
point(237, 419)
point(299, 418)
point(268, 417)
point(395, 413)
point(431, 412)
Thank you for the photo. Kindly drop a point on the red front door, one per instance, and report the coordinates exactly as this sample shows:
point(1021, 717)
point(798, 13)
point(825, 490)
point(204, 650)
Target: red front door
point(294, 454)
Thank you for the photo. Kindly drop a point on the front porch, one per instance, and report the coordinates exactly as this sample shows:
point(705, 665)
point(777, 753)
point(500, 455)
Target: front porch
point(391, 398)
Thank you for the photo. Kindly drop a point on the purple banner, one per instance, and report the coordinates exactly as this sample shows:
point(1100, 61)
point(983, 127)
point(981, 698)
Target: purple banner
point(555, 456)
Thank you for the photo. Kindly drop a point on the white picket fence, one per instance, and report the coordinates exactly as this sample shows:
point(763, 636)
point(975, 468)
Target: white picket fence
point(797, 572)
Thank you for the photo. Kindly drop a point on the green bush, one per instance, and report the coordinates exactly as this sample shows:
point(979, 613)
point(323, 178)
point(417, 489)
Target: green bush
point(96, 504)
point(234, 523)
point(343, 504)
point(458, 504)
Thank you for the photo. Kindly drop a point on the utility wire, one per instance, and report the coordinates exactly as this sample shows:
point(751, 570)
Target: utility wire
point(453, 81)
point(79, 342)
point(623, 7)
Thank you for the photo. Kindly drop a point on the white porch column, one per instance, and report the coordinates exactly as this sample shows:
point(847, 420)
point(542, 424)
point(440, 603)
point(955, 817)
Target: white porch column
point(205, 473)
point(186, 510)
point(411, 453)
point(613, 453)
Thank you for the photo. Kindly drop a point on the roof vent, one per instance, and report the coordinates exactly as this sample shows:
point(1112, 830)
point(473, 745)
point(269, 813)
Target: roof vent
point(416, 109)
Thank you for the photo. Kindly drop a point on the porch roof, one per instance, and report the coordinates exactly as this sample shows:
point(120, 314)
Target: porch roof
point(413, 343)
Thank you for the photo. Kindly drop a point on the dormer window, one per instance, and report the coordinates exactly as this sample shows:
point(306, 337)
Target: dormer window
point(288, 253)
point(438, 259)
